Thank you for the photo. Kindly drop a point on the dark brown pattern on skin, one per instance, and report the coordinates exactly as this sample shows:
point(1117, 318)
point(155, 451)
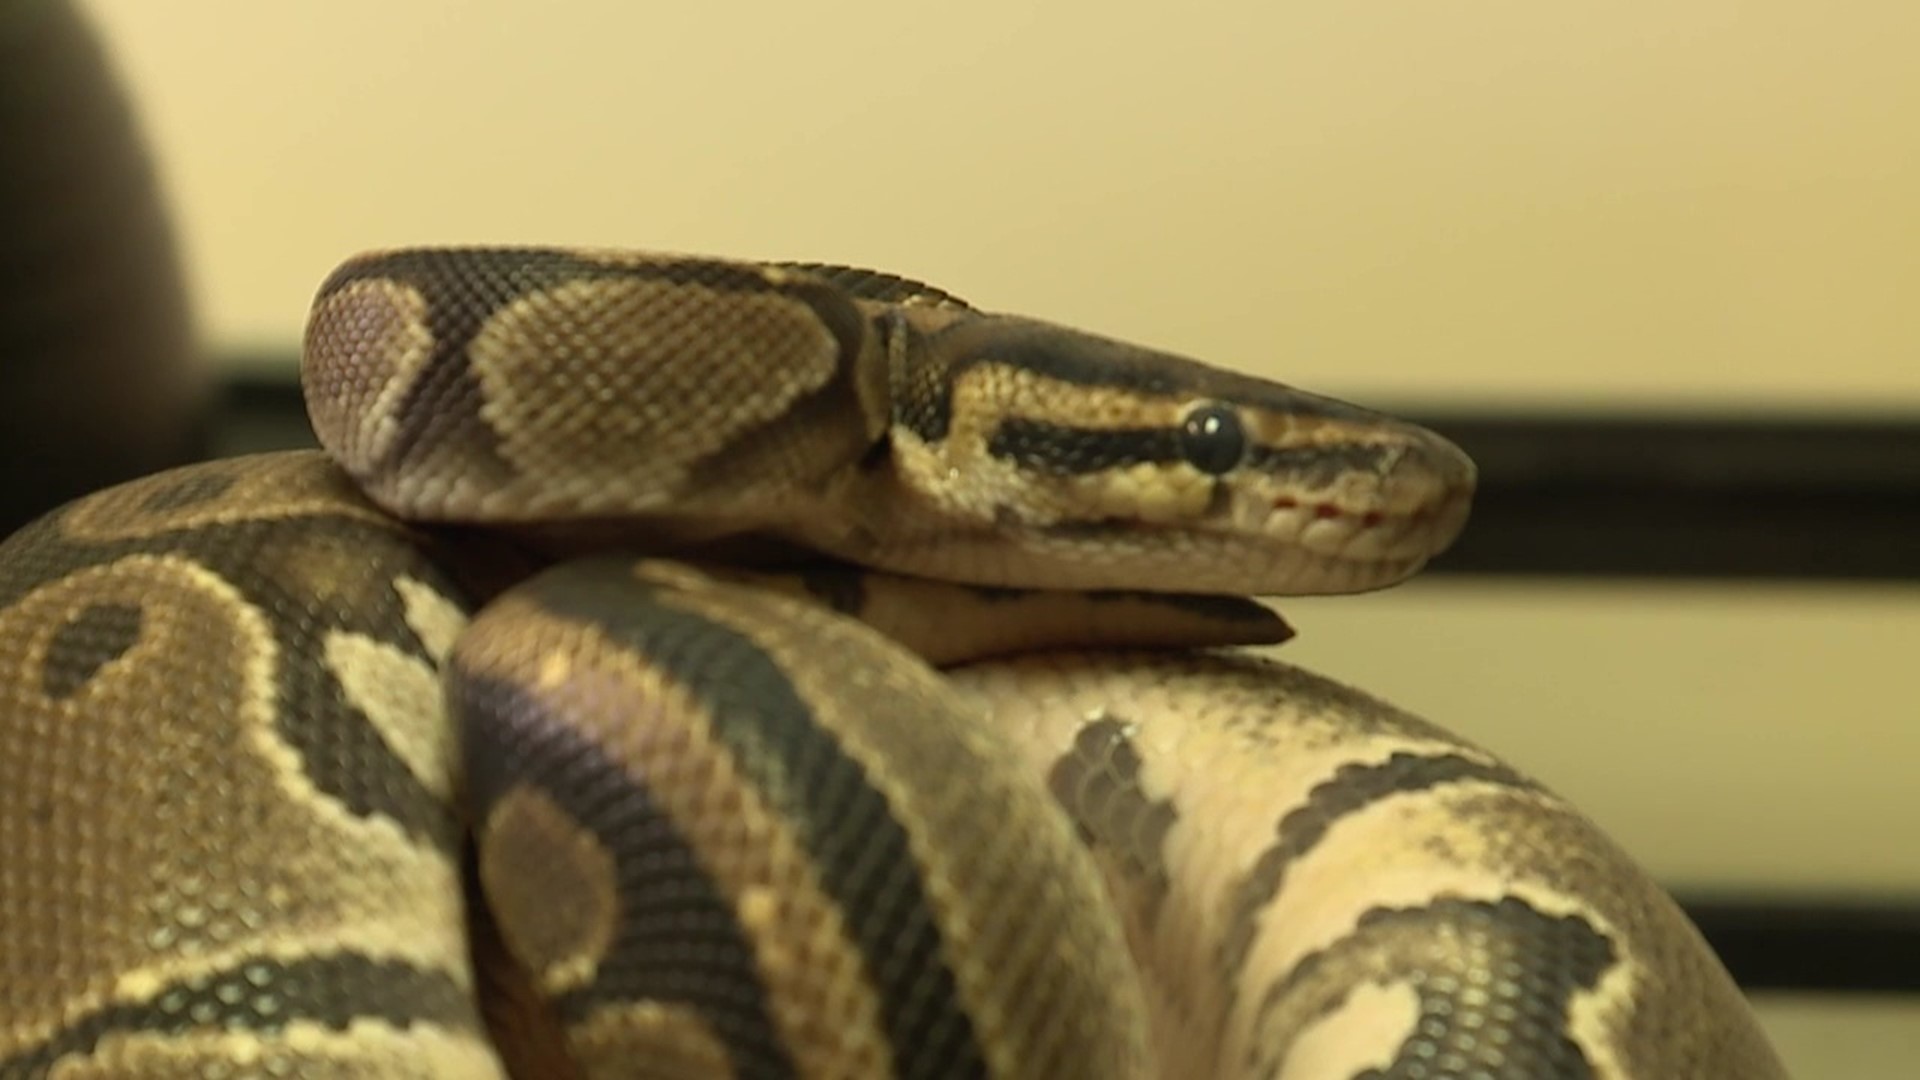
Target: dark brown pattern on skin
point(464, 288)
point(863, 854)
point(96, 636)
point(263, 997)
point(946, 775)
point(176, 865)
point(191, 489)
point(1099, 783)
point(1680, 1015)
point(291, 570)
point(1352, 789)
point(670, 909)
point(763, 450)
point(1492, 969)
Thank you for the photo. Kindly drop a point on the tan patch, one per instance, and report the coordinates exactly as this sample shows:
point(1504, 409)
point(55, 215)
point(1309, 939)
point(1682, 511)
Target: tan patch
point(552, 886)
point(434, 618)
point(401, 697)
point(1363, 1033)
point(367, 346)
point(608, 395)
point(679, 1044)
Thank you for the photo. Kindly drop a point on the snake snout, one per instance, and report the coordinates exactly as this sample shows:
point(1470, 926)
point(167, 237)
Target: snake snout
point(1428, 482)
point(1368, 503)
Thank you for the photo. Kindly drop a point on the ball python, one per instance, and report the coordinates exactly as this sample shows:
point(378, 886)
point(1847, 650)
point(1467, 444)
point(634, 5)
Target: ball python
point(682, 667)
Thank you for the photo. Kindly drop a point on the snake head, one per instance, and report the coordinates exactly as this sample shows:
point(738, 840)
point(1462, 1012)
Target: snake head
point(1072, 460)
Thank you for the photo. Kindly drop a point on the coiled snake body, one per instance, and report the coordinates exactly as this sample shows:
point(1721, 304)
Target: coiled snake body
point(722, 818)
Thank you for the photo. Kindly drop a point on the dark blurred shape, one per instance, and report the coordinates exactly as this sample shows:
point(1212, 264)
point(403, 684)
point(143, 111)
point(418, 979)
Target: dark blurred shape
point(1732, 496)
point(99, 380)
point(1810, 945)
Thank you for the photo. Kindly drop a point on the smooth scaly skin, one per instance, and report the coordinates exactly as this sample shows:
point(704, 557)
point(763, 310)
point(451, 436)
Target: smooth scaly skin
point(720, 827)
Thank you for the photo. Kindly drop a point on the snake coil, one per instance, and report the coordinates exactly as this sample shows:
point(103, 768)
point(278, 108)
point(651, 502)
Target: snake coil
point(680, 667)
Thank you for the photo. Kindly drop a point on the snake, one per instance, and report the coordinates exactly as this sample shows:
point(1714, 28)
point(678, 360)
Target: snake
point(683, 666)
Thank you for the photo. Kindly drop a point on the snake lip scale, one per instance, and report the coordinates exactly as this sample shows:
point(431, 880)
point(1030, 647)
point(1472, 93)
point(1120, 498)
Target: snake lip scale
point(688, 667)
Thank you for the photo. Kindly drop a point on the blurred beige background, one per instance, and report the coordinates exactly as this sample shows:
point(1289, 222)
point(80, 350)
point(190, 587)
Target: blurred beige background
point(1571, 206)
point(1709, 203)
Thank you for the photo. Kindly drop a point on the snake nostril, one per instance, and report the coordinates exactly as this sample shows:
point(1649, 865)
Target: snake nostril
point(1285, 503)
point(1327, 511)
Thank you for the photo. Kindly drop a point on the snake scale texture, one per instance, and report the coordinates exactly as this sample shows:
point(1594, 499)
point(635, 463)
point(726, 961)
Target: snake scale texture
point(682, 667)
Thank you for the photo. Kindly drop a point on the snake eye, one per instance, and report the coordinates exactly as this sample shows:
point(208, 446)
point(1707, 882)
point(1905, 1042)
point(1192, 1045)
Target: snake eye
point(1212, 440)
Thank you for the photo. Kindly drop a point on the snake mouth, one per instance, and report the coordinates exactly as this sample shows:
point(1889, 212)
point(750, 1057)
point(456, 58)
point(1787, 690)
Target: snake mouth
point(1374, 533)
point(1402, 499)
point(1321, 546)
point(1296, 548)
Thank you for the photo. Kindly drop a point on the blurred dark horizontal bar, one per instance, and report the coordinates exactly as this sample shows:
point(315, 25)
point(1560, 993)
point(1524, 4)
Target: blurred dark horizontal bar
point(1621, 495)
point(1750, 497)
point(1812, 946)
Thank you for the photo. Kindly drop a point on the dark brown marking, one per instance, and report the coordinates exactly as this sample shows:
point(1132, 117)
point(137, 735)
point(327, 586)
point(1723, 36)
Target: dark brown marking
point(1352, 789)
point(677, 939)
point(191, 489)
point(90, 641)
point(1320, 466)
point(859, 847)
point(1098, 782)
point(264, 996)
point(1494, 979)
point(342, 753)
point(464, 287)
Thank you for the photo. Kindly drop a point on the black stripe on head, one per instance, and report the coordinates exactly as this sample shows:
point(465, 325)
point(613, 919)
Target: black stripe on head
point(1074, 451)
point(1320, 465)
point(1063, 449)
point(937, 361)
point(858, 847)
point(264, 997)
